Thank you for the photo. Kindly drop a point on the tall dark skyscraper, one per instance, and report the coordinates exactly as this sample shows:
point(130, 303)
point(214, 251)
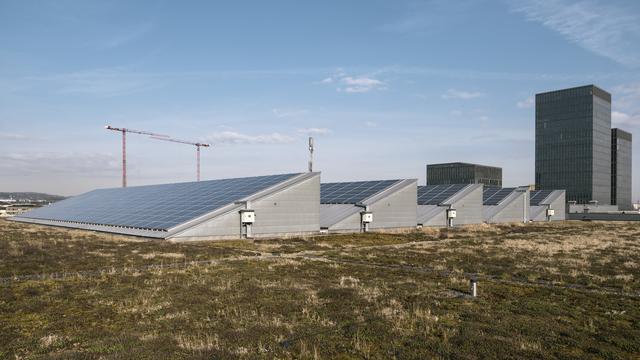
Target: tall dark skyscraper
point(621, 169)
point(573, 143)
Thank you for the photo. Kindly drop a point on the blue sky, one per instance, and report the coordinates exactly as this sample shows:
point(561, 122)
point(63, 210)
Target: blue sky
point(385, 87)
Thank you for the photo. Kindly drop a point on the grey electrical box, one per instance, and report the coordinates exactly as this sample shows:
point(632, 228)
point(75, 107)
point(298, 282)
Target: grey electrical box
point(247, 216)
point(451, 214)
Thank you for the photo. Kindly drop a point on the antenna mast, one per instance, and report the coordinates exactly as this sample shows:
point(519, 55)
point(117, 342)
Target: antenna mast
point(310, 154)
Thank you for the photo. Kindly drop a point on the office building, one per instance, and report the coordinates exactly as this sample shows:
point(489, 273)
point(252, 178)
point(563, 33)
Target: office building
point(573, 143)
point(463, 173)
point(621, 169)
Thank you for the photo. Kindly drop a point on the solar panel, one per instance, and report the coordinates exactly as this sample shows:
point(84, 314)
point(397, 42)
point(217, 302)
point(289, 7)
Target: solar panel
point(494, 195)
point(157, 207)
point(352, 192)
point(537, 196)
point(436, 194)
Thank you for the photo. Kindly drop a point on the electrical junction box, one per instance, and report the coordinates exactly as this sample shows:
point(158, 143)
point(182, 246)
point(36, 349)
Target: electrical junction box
point(551, 212)
point(247, 216)
point(367, 217)
point(451, 213)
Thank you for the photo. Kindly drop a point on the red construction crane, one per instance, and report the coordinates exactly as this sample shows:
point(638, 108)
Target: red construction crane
point(124, 132)
point(197, 145)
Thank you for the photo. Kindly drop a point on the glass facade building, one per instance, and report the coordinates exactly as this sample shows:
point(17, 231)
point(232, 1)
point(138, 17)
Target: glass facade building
point(463, 173)
point(621, 169)
point(573, 143)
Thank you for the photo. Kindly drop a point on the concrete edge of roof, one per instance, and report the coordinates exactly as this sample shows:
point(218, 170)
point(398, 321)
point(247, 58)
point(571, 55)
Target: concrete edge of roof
point(397, 186)
point(553, 195)
point(235, 206)
point(118, 230)
point(462, 193)
point(490, 211)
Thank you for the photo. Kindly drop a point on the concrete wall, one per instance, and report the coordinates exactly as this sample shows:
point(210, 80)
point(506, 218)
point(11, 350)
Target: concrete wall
point(398, 210)
point(350, 223)
point(511, 210)
point(580, 208)
point(559, 204)
point(294, 210)
point(432, 215)
point(395, 211)
point(606, 217)
point(469, 208)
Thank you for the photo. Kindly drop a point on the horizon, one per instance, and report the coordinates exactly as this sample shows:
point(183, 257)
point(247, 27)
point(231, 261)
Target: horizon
point(385, 88)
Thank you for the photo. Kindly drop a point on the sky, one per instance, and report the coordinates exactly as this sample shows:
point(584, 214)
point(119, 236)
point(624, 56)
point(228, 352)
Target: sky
point(384, 86)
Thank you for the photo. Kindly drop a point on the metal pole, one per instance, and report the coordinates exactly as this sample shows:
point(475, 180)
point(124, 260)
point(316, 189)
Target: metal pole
point(124, 158)
point(198, 161)
point(473, 287)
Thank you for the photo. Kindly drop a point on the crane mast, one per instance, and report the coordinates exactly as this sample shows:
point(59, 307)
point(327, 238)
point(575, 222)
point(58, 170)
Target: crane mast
point(156, 136)
point(196, 144)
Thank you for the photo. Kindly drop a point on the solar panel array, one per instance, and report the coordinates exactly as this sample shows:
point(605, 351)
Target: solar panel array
point(537, 196)
point(156, 207)
point(436, 194)
point(495, 195)
point(352, 192)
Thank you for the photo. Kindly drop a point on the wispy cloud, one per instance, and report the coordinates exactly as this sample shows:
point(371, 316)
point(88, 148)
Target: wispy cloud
point(314, 131)
point(12, 136)
point(605, 28)
point(371, 124)
point(102, 83)
point(232, 137)
point(430, 16)
point(54, 162)
point(526, 103)
point(128, 35)
point(463, 95)
point(626, 103)
point(289, 113)
point(619, 118)
point(353, 84)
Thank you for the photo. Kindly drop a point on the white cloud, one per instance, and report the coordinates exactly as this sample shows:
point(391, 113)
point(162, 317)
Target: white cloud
point(463, 95)
point(626, 103)
point(455, 113)
point(371, 124)
point(604, 28)
point(621, 119)
point(353, 84)
point(232, 137)
point(314, 131)
point(526, 103)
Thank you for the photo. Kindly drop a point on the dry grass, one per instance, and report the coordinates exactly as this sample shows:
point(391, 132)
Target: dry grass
point(324, 297)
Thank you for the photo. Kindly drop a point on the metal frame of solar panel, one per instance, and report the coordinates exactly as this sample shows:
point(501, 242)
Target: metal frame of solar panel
point(537, 196)
point(352, 192)
point(437, 194)
point(153, 207)
point(495, 195)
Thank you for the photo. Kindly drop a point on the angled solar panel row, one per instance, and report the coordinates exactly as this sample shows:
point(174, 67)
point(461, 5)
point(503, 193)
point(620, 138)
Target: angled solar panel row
point(537, 196)
point(494, 195)
point(156, 207)
point(436, 194)
point(352, 192)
